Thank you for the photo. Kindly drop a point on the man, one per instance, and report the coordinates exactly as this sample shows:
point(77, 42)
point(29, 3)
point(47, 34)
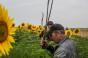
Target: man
point(65, 48)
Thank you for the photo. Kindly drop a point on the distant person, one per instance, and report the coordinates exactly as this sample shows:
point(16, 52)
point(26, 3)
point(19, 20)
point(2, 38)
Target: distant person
point(44, 33)
point(47, 26)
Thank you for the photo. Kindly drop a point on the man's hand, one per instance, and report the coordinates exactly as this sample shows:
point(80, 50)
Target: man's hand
point(43, 43)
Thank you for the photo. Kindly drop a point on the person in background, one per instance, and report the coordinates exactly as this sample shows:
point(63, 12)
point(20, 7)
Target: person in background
point(44, 34)
point(47, 26)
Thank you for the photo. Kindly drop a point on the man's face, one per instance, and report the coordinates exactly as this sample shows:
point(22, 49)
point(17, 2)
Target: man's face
point(56, 36)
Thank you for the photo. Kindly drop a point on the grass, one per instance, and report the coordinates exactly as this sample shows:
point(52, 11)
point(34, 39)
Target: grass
point(82, 46)
point(27, 46)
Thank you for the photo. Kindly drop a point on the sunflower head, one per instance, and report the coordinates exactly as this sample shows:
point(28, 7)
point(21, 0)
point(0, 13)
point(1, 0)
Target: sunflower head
point(68, 33)
point(6, 30)
point(23, 24)
point(40, 28)
point(76, 31)
point(29, 26)
point(13, 25)
point(33, 27)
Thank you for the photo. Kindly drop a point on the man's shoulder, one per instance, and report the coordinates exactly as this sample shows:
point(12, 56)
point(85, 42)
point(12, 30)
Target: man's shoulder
point(68, 43)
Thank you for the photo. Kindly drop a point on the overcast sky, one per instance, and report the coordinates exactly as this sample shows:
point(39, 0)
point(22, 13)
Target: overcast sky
point(70, 13)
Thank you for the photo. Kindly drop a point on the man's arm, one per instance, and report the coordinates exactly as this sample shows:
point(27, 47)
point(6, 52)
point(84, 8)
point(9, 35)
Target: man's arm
point(51, 49)
point(60, 53)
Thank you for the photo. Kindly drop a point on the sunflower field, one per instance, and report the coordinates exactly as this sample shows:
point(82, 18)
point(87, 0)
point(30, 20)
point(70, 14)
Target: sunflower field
point(23, 41)
point(27, 45)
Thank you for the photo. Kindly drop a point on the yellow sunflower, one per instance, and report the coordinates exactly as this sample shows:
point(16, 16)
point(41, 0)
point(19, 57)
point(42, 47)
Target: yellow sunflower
point(29, 27)
point(40, 28)
point(34, 28)
point(13, 25)
point(6, 30)
point(76, 31)
point(23, 26)
point(68, 33)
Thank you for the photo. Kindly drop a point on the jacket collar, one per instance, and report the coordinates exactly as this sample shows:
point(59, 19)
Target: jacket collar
point(62, 41)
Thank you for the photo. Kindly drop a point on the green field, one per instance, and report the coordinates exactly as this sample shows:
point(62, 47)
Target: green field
point(27, 46)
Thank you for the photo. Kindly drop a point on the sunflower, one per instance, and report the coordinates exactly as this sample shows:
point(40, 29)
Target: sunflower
point(76, 31)
point(13, 25)
point(23, 26)
point(34, 28)
point(29, 26)
point(68, 33)
point(6, 30)
point(40, 28)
